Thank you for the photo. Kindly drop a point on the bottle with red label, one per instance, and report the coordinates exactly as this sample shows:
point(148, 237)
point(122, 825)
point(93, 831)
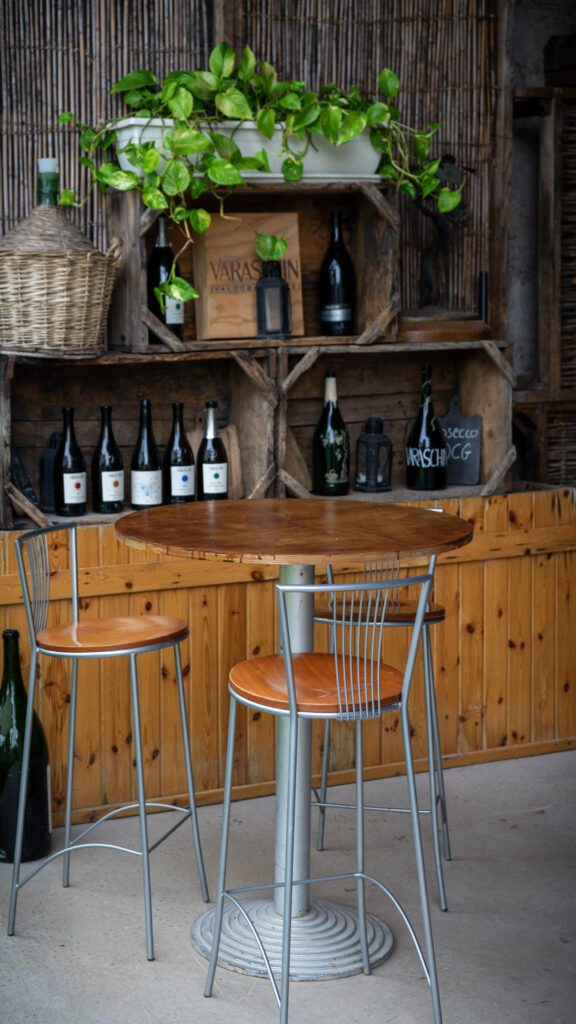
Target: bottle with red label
point(69, 471)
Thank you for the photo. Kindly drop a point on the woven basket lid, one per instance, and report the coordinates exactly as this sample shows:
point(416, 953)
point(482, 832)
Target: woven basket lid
point(47, 230)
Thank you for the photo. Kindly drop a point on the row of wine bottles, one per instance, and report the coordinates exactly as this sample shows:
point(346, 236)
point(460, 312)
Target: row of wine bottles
point(172, 479)
point(426, 450)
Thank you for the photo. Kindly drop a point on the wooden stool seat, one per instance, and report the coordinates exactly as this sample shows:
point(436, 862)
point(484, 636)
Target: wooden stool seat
point(263, 681)
point(397, 613)
point(98, 636)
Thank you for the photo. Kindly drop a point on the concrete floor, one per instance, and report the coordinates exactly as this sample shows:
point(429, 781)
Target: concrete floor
point(506, 949)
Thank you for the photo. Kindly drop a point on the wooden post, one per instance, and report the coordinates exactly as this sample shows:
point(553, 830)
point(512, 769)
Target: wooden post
point(6, 374)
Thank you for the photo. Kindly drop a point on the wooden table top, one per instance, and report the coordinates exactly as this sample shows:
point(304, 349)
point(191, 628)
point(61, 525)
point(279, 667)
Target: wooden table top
point(293, 531)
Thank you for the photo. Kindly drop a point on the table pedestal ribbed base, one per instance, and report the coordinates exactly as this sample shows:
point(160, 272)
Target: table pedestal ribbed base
point(325, 942)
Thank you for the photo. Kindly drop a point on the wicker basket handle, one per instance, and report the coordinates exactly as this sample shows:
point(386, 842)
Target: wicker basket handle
point(115, 250)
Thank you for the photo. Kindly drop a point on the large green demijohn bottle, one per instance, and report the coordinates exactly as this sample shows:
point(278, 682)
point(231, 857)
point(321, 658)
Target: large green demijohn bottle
point(37, 824)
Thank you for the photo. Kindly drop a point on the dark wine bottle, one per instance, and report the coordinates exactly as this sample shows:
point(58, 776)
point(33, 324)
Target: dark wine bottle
point(178, 467)
point(146, 468)
point(212, 460)
point(331, 445)
point(69, 471)
point(158, 271)
point(426, 453)
point(48, 182)
point(336, 286)
point(37, 821)
point(107, 469)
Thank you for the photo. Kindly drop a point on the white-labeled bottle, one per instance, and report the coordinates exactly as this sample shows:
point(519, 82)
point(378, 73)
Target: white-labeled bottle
point(146, 468)
point(179, 469)
point(212, 460)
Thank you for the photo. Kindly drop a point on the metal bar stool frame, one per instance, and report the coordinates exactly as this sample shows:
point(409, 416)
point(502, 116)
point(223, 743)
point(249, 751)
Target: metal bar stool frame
point(36, 593)
point(355, 703)
point(437, 809)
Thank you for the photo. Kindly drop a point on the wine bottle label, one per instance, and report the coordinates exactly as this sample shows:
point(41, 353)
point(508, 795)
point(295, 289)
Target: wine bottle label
point(74, 488)
point(174, 311)
point(112, 485)
point(334, 314)
point(182, 481)
point(215, 478)
point(426, 458)
point(146, 487)
point(335, 460)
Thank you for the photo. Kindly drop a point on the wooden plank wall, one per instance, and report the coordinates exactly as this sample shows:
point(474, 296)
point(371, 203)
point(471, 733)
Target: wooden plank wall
point(505, 659)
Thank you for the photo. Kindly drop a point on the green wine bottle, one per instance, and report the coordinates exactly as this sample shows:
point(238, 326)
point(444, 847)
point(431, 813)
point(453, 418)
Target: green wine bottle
point(37, 822)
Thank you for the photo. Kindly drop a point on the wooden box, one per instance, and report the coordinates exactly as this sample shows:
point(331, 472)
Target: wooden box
point(227, 269)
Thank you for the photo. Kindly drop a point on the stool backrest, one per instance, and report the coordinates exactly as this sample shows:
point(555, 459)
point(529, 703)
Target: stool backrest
point(358, 651)
point(33, 555)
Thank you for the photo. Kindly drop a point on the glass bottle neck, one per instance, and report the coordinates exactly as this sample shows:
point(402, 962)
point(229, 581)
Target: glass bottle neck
point(68, 416)
point(210, 428)
point(161, 237)
point(47, 182)
point(336, 234)
point(145, 416)
point(106, 417)
point(330, 392)
point(177, 420)
point(11, 673)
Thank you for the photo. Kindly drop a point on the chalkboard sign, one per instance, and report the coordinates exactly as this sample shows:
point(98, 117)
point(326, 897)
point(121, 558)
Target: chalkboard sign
point(464, 442)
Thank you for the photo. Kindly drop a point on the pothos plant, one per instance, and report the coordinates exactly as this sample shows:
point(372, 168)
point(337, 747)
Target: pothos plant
point(194, 157)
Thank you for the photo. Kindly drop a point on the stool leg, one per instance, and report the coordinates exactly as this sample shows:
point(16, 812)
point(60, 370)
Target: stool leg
point(289, 869)
point(360, 856)
point(221, 883)
point(190, 777)
point(431, 696)
point(142, 809)
point(70, 771)
point(432, 775)
point(323, 785)
point(23, 792)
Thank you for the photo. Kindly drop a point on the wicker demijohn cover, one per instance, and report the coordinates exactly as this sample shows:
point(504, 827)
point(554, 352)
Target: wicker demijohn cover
point(55, 288)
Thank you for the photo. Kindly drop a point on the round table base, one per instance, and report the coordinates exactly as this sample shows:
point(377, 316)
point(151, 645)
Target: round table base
point(325, 942)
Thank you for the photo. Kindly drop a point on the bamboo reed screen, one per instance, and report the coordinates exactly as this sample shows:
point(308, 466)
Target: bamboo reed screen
point(66, 56)
point(568, 270)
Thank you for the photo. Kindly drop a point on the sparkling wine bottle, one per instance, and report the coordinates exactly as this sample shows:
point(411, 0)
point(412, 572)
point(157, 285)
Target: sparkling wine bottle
point(107, 469)
point(331, 445)
point(178, 469)
point(212, 460)
point(69, 471)
point(336, 285)
point(146, 468)
point(426, 453)
point(37, 821)
point(47, 182)
point(158, 271)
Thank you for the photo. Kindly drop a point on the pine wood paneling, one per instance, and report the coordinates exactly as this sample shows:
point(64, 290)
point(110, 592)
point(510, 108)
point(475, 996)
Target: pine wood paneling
point(504, 660)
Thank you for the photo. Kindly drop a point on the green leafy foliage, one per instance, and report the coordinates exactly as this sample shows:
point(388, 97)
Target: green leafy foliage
point(270, 247)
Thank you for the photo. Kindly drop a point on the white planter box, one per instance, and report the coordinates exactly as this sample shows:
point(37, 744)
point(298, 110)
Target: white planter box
point(354, 161)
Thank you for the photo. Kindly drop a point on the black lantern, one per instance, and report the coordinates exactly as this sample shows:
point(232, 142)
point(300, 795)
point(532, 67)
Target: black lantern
point(373, 458)
point(273, 302)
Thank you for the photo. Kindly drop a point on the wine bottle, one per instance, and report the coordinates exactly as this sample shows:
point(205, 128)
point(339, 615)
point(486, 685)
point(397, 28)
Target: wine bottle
point(336, 285)
point(331, 445)
point(146, 469)
point(178, 468)
point(47, 182)
point(69, 471)
point(212, 460)
point(107, 469)
point(158, 271)
point(37, 821)
point(47, 502)
point(426, 453)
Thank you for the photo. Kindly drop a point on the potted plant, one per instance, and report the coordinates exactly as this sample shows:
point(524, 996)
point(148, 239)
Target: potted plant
point(205, 131)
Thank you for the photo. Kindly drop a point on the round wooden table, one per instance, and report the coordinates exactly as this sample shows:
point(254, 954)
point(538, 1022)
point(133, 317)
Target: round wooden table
point(297, 535)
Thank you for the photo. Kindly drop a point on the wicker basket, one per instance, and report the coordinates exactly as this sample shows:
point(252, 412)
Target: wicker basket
point(55, 288)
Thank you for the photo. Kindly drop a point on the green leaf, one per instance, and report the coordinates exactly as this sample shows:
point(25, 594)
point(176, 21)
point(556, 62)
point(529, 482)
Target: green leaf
point(329, 123)
point(222, 60)
point(306, 117)
point(352, 125)
point(223, 173)
point(123, 181)
point(290, 101)
point(175, 178)
point(204, 85)
point(265, 122)
point(388, 82)
point(66, 197)
point(150, 159)
point(185, 141)
point(378, 113)
point(87, 138)
point(421, 146)
point(179, 213)
point(448, 199)
point(154, 199)
point(268, 76)
point(135, 80)
point(428, 185)
point(270, 247)
point(257, 162)
point(180, 290)
point(407, 189)
point(226, 147)
point(247, 65)
point(233, 104)
point(65, 117)
point(388, 171)
point(292, 168)
point(197, 187)
point(181, 104)
point(200, 220)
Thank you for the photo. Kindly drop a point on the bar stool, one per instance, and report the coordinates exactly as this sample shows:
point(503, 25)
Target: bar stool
point(401, 614)
point(353, 683)
point(77, 641)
